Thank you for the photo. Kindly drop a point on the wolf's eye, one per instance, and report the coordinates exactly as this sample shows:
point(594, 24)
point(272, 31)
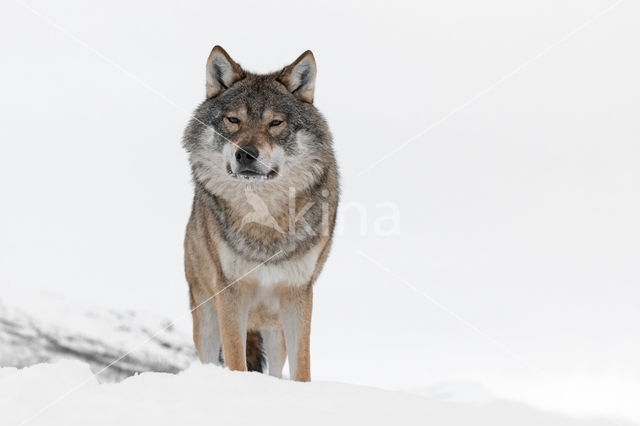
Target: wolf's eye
point(234, 120)
point(275, 123)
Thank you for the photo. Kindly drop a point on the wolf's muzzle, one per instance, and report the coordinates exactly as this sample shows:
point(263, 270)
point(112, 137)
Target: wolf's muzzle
point(246, 155)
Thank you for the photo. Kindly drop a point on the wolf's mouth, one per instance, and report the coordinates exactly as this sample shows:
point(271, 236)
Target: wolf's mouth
point(252, 175)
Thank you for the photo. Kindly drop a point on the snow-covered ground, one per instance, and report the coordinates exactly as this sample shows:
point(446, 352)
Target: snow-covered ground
point(66, 393)
point(69, 358)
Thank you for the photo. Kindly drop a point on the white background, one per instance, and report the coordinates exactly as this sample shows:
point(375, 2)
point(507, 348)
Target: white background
point(518, 214)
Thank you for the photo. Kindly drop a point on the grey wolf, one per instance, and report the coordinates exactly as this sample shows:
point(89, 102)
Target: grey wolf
point(264, 208)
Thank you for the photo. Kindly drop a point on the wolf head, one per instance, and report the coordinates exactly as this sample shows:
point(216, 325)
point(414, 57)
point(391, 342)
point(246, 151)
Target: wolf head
point(260, 131)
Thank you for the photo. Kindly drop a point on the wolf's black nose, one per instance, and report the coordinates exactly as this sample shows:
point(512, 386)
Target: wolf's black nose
point(247, 154)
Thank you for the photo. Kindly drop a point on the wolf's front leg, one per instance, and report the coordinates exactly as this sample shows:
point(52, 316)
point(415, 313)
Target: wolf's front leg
point(232, 317)
point(275, 350)
point(206, 332)
point(296, 305)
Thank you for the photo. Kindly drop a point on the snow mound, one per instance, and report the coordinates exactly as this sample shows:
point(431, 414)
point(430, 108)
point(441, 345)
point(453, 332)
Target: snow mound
point(206, 394)
point(459, 391)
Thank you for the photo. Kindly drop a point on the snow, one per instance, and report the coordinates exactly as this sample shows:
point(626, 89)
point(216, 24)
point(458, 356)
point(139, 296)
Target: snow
point(71, 376)
point(206, 394)
point(48, 331)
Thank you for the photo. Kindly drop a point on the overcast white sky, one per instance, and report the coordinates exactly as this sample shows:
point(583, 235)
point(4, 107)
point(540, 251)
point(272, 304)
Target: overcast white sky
point(518, 213)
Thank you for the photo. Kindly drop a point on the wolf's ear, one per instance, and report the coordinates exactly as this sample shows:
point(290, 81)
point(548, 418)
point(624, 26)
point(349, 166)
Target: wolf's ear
point(222, 72)
point(300, 77)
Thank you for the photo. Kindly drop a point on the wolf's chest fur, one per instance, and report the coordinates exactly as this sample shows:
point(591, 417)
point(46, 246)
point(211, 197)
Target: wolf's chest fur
point(258, 253)
point(267, 226)
point(267, 253)
point(293, 271)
